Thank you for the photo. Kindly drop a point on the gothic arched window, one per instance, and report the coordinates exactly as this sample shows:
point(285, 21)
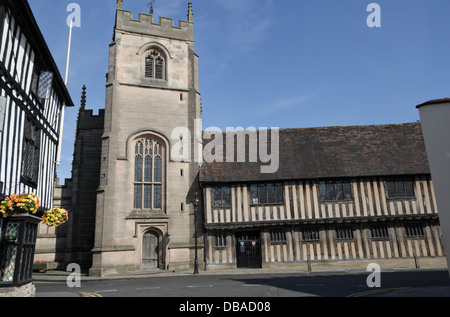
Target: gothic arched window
point(155, 65)
point(148, 174)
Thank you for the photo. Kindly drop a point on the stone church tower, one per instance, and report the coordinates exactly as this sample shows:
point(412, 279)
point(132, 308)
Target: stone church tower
point(143, 220)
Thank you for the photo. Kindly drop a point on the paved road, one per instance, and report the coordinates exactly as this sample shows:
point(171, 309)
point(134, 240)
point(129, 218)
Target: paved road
point(256, 285)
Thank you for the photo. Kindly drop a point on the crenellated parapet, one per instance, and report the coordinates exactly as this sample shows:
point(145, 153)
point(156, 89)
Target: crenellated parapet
point(146, 26)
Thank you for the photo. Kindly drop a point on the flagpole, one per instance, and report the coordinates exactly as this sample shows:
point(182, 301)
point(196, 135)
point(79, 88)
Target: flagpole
point(63, 110)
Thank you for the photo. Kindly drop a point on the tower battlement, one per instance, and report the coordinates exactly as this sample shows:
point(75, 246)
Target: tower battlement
point(146, 26)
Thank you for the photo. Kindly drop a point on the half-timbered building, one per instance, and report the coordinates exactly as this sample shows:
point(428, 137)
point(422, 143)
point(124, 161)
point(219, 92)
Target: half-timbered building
point(340, 193)
point(32, 96)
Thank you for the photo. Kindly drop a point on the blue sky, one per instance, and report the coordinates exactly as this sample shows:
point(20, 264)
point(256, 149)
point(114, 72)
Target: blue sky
point(276, 63)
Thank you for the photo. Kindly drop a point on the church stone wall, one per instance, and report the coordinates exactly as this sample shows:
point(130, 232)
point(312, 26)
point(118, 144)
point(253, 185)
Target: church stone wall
point(137, 107)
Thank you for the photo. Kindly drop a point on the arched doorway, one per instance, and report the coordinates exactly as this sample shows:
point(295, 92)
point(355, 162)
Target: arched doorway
point(150, 250)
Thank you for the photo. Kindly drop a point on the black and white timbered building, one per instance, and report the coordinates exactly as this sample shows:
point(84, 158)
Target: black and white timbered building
point(32, 97)
point(358, 193)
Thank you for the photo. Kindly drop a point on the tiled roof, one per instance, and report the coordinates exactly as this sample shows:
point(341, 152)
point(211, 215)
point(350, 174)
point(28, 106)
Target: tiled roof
point(333, 152)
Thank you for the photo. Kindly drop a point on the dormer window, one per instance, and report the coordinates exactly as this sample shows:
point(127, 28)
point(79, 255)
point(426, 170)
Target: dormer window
point(155, 65)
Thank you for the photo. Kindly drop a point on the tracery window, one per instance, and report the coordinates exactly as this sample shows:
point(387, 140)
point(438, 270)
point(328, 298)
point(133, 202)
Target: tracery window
point(155, 65)
point(148, 174)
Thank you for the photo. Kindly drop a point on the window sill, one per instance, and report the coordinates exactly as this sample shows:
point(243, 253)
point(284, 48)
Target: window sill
point(154, 82)
point(268, 204)
point(220, 248)
point(147, 214)
point(401, 198)
point(337, 201)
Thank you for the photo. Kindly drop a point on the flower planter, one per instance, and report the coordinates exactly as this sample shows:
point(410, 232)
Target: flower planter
point(18, 234)
point(17, 246)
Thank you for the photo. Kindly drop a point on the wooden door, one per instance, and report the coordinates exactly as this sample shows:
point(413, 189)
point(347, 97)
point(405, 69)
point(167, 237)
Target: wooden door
point(150, 251)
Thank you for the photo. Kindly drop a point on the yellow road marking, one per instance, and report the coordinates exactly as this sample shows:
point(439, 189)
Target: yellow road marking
point(87, 294)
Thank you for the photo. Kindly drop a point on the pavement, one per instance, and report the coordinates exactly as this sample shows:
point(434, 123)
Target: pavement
point(432, 291)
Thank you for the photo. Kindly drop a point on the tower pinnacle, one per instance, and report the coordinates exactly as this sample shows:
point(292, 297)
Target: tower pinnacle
point(190, 13)
point(83, 97)
point(119, 4)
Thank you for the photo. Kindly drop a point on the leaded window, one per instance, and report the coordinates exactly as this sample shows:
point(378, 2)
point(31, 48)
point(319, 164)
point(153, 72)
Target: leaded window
point(277, 236)
point(220, 240)
point(310, 234)
point(414, 230)
point(155, 65)
point(30, 156)
point(344, 233)
point(335, 190)
point(148, 174)
point(267, 194)
point(400, 187)
point(379, 232)
point(221, 197)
